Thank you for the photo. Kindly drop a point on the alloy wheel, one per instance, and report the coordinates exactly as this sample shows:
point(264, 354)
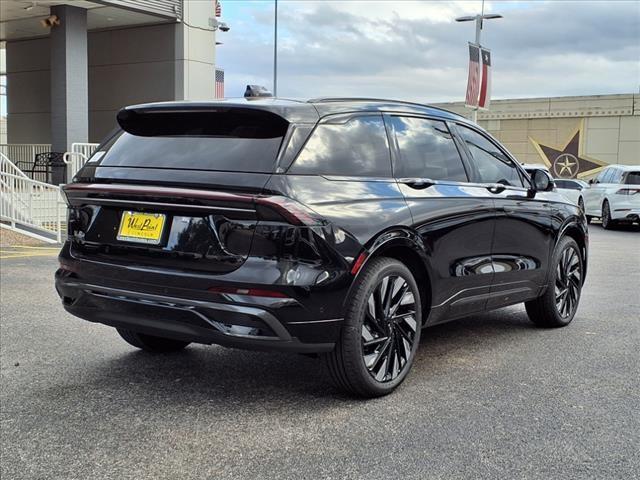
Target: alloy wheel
point(389, 328)
point(568, 282)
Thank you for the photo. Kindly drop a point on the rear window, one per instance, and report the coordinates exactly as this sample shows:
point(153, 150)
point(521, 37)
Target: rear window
point(236, 141)
point(633, 178)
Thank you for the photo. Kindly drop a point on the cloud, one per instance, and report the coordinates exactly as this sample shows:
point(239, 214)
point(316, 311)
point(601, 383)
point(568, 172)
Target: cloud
point(415, 51)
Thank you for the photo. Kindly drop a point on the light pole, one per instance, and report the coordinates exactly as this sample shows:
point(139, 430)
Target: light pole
point(479, 19)
point(275, 50)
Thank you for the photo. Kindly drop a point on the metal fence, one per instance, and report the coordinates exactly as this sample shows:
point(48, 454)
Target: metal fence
point(29, 206)
point(78, 156)
point(23, 155)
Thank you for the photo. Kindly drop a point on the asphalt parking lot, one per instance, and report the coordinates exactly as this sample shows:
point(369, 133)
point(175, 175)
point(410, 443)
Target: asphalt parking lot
point(489, 396)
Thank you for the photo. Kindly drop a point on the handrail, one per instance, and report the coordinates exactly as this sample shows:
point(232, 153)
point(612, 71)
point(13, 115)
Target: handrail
point(5, 162)
point(78, 156)
point(28, 206)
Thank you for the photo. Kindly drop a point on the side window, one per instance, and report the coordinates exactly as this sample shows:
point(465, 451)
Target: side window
point(426, 150)
point(358, 147)
point(567, 184)
point(616, 176)
point(493, 165)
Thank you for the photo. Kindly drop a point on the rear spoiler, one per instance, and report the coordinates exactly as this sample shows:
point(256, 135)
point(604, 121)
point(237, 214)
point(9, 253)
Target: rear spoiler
point(201, 121)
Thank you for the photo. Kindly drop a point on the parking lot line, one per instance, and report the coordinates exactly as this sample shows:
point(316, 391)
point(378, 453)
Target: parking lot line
point(30, 247)
point(19, 253)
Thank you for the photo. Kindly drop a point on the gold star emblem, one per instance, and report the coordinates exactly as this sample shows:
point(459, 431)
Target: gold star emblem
point(569, 161)
point(565, 163)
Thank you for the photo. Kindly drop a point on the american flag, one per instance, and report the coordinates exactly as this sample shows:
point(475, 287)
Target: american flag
point(485, 85)
point(473, 81)
point(219, 83)
point(218, 9)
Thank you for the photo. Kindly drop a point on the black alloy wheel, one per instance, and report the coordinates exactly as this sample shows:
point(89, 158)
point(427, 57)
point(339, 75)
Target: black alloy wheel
point(381, 332)
point(568, 282)
point(389, 328)
point(558, 304)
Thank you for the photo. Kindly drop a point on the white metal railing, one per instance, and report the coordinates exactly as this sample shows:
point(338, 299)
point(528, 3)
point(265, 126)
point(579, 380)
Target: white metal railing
point(78, 156)
point(23, 154)
point(7, 166)
point(29, 206)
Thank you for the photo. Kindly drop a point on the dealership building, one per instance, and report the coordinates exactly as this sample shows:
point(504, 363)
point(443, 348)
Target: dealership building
point(574, 136)
point(72, 64)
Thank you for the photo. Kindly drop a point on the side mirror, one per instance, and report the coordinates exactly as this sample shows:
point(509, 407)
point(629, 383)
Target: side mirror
point(591, 181)
point(542, 181)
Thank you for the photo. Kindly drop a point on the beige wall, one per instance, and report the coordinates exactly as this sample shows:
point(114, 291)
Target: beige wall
point(171, 61)
point(609, 126)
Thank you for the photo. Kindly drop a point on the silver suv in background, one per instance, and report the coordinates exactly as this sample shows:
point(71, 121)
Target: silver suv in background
point(614, 195)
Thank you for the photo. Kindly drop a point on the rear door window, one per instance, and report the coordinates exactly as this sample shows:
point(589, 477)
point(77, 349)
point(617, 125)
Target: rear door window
point(492, 164)
point(358, 147)
point(426, 150)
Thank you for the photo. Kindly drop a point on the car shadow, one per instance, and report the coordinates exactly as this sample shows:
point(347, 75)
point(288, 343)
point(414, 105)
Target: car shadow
point(230, 377)
point(621, 227)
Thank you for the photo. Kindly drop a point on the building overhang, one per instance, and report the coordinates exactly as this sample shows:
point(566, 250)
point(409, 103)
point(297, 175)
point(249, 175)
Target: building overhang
point(21, 19)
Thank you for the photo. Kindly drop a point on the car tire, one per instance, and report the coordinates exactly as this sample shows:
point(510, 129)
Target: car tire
point(379, 339)
point(607, 223)
point(558, 305)
point(152, 344)
point(589, 218)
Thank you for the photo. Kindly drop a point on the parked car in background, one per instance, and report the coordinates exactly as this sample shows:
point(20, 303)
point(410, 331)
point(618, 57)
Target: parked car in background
point(532, 167)
point(614, 195)
point(572, 190)
point(336, 227)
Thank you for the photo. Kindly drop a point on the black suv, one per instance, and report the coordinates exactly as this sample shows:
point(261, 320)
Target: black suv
point(337, 227)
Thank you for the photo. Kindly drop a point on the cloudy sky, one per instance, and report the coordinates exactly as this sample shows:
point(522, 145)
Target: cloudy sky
point(414, 50)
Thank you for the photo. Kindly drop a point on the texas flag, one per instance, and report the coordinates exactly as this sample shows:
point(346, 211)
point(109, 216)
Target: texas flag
point(485, 85)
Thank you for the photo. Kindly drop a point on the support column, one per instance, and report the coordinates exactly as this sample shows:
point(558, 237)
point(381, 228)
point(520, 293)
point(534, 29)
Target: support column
point(195, 51)
point(69, 81)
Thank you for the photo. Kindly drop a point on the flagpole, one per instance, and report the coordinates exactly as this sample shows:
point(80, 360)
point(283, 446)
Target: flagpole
point(479, 19)
point(474, 112)
point(275, 49)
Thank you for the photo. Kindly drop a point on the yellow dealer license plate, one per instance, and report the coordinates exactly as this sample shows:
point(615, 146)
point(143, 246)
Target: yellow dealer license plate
point(141, 227)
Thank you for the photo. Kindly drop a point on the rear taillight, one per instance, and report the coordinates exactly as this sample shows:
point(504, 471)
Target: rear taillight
point(253, 292)
point(269, 207)
point(628, 191)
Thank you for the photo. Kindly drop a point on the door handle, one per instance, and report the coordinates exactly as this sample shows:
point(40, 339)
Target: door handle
point(417, 183)
point(496, 187)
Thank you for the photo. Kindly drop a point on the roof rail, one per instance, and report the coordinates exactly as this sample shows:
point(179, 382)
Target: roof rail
point(365, 99)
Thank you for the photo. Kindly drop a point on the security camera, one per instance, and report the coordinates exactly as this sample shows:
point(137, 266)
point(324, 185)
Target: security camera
point(224, 27)
point(50, 21)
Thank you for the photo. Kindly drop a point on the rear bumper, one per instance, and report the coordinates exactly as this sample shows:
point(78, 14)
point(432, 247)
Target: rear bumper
point(627, 214)
point(625, 207)
point(179, 307)
point(183, 319)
